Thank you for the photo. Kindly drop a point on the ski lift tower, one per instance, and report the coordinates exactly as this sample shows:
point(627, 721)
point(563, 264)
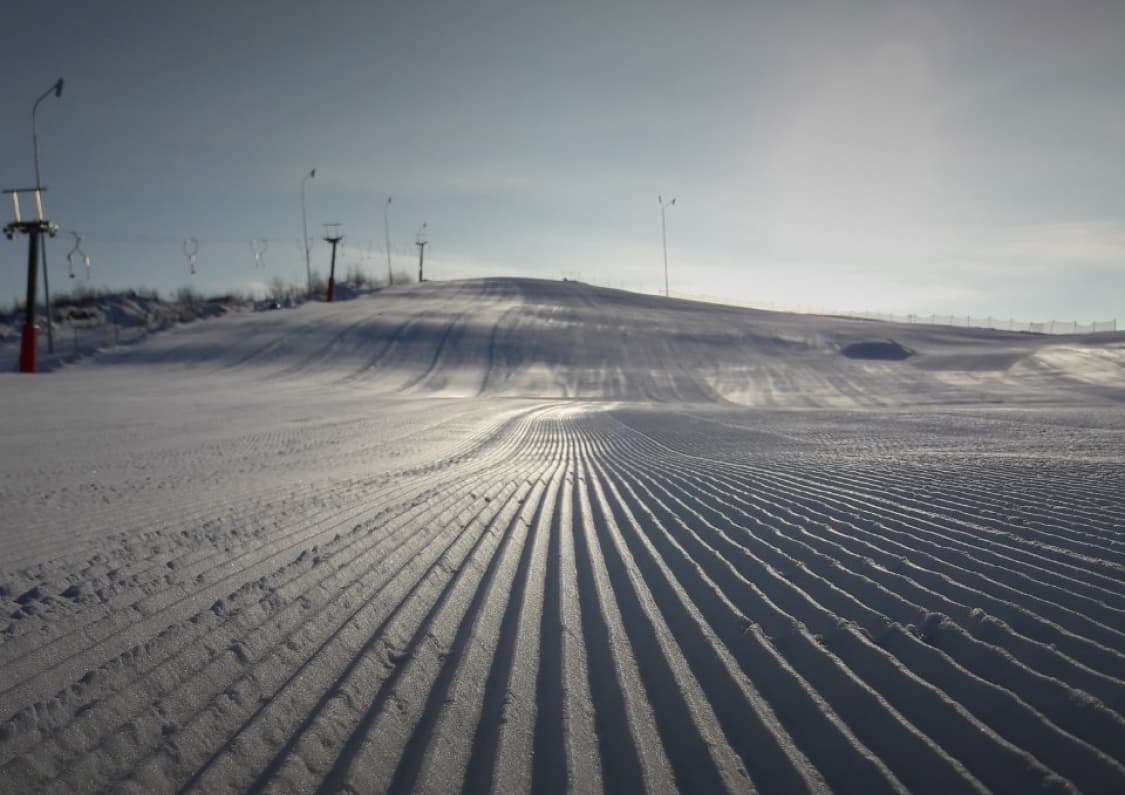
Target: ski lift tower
point(34, 228)
point(421, 244)
point(332, 235)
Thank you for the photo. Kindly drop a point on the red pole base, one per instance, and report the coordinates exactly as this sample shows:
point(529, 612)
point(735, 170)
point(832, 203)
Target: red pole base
point(28, 348)
point(331, 289)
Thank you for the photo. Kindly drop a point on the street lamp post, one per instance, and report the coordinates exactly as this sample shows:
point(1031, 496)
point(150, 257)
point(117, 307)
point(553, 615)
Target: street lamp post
point(305, 228)
point(387, 236)
point(55, 89)
point(664, 237)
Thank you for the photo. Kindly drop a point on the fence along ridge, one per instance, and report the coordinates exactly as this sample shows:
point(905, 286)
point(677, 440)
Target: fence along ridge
point(959, 321)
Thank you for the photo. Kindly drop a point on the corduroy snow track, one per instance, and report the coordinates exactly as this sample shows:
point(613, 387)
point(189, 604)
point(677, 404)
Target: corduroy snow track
point(518, 536)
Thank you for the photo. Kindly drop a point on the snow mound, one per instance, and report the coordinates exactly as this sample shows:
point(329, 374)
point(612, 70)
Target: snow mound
point(882, 350)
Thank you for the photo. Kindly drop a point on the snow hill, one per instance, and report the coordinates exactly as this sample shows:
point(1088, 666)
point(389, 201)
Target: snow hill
point(506, 536)
point(535, 338)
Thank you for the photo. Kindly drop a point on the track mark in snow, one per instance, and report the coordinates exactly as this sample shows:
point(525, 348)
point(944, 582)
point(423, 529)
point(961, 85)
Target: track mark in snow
point(559, 596)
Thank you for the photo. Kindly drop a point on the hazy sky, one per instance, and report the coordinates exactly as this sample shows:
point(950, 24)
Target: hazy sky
point(954, 156)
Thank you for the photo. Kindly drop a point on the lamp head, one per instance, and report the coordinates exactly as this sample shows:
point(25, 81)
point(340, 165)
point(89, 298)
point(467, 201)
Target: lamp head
point(58, 88)
point(313, 173)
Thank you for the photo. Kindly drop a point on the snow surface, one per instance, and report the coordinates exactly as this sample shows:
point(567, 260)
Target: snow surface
point(82, 325)
point(516, 535)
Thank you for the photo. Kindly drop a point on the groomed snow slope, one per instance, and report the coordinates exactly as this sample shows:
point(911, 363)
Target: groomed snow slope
point(261, 554)
point(524, 337)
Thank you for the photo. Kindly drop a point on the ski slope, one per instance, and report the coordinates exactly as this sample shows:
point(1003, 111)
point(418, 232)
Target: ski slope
point(514, 535)
point(524, 337)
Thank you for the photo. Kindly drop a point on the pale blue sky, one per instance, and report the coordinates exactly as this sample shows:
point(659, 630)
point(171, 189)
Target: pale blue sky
point(956, 156)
